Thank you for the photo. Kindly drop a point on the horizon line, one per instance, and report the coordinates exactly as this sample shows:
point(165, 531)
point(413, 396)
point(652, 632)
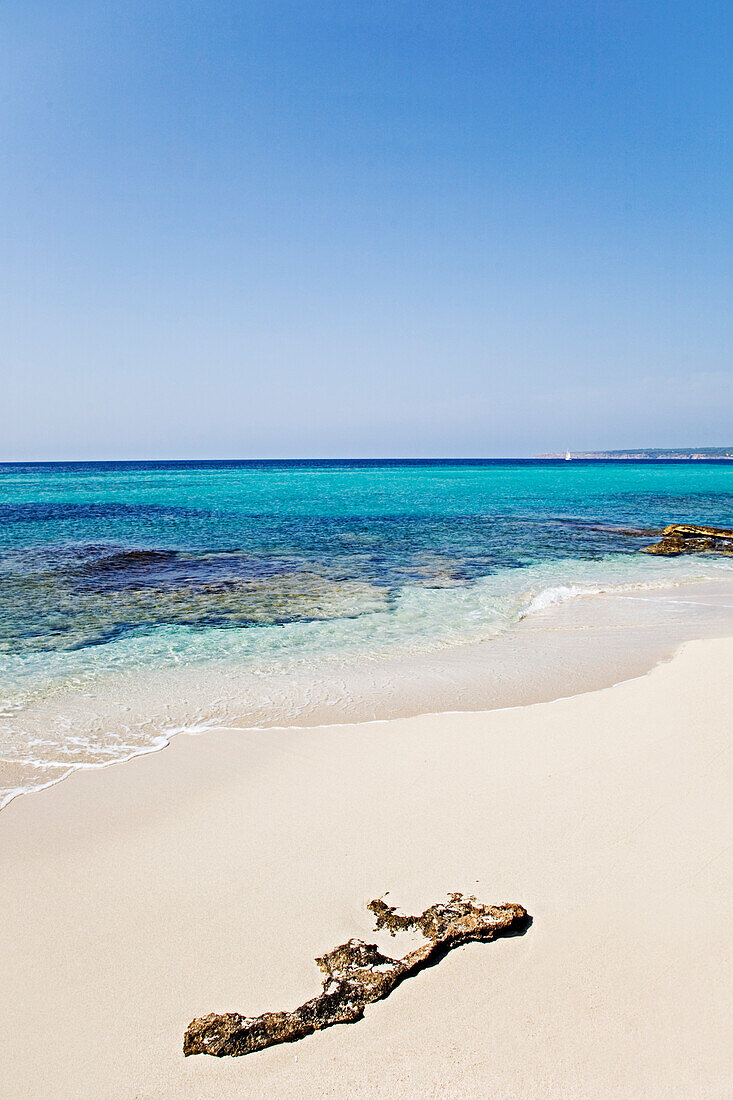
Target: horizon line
point(625, 455)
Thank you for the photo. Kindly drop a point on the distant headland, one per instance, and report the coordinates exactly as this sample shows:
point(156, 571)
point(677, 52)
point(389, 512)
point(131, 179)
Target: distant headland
point(649, 453)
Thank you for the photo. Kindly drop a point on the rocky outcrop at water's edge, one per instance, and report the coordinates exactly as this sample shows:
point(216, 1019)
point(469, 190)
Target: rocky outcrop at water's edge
point(682, 538)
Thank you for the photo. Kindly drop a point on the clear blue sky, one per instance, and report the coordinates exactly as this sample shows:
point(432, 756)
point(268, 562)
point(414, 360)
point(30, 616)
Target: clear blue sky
point(243, 228)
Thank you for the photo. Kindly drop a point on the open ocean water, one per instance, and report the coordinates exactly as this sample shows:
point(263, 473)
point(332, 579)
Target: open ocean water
point(138, 599)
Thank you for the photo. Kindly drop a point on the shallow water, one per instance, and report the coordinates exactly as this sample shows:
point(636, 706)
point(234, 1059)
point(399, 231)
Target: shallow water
point(139, 599)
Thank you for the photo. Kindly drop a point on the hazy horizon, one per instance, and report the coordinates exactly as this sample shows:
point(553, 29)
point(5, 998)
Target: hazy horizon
point(365, 459)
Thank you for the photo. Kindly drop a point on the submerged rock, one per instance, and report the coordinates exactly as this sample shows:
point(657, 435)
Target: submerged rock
point(357, 973)
point(682, 538)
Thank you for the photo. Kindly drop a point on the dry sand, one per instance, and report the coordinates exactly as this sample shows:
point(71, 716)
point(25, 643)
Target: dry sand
point(207, 877)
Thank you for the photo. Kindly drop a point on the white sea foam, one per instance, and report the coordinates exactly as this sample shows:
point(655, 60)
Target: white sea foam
point(65, 711)
point(555, 595)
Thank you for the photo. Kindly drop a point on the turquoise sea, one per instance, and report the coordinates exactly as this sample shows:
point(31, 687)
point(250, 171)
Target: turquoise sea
point(141, 598)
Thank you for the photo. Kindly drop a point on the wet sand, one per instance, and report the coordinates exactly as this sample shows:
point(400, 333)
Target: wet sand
point(582, 643)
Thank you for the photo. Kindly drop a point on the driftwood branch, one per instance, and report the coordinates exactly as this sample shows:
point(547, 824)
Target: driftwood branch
point(356, 973)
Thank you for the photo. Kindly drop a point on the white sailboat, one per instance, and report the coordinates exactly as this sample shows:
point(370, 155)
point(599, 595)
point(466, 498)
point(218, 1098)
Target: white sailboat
point(568, 456)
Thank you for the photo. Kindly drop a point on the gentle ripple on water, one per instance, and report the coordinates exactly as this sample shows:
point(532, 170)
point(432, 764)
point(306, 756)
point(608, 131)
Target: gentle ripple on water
point(139, 599)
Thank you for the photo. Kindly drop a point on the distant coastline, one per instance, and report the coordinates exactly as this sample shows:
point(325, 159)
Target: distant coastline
point(111, 465)
point(650, 453)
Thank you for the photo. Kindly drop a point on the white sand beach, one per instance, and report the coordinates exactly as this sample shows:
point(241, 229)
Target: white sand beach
point(208, 876)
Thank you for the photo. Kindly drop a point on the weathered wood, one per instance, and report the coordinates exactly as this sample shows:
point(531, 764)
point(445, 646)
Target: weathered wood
point(357, 974)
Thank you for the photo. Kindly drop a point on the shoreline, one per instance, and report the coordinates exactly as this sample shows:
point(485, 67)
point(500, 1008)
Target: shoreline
point(208, 877)
point(589, 633)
